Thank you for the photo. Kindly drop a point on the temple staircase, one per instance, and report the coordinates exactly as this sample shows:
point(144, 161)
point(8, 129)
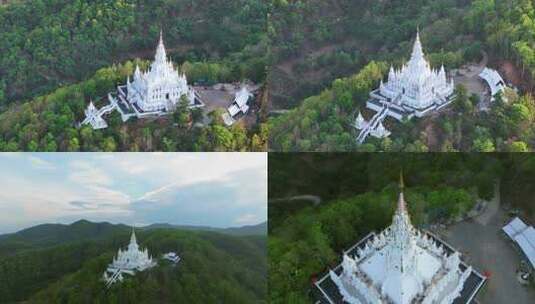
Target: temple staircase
point(113, 278)
point(372, 125)
point(102, 111)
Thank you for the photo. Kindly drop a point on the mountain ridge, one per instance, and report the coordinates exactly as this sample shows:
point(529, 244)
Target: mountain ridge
point(45, 235)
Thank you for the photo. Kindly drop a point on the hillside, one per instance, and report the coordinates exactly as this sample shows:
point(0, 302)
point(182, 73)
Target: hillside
point(50, 43)
point(259, 229)
point(318, 41)
point(48, 235)
point(323, 95)
point(215, 268)
point(49, 122)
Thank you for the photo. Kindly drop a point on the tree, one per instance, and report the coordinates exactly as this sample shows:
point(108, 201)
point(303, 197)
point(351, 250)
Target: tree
point(483, 145)
point(182, 115)
point(518, 146)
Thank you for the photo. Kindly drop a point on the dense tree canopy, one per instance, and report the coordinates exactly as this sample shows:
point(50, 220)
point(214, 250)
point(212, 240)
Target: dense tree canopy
point(214, 268)
point(47, 43)
point(357, 32)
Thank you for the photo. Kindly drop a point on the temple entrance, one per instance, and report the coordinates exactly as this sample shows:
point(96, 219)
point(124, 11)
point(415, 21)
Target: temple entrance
point(167, 96)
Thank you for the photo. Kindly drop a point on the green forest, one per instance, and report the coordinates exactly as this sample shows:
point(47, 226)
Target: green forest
point(214, 267)
point(48, 123)
point(359, 195)
point(58, 55)
point(338, 57)
point(49, 43)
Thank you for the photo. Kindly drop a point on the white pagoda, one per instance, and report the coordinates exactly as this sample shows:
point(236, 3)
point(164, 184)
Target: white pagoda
point(401, 265)
point(360, 123)
point(238, 107)
point(414, 90)
point(380, 131)
point(94, 117)
point(129, 261)
point(151, 93)
point(161, 87)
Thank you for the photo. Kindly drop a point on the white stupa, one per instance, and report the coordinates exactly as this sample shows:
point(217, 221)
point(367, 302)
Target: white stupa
point(401, 265)
point(380, 131)
point(360, 123)
point(161, 87)
point(414, 90)
point(129, 261)
point(94, 117)
point(240, 102)
point(151, 93)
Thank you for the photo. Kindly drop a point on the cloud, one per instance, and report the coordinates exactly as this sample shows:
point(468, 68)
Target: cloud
point(39, 163)
point(223, 202)
point(87, 173)
point(214, 189)
point(247, 219)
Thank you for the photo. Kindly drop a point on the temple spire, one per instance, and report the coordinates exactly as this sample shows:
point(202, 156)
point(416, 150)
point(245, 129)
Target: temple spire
point(417, 52)
point(402, 208)
point(161, 55)
point(133, 239)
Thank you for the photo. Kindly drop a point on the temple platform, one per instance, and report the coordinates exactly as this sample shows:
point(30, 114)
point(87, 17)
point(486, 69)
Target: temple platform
point(325, 291)
point(377, 102)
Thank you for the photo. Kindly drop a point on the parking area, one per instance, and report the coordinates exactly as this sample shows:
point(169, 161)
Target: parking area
point(485, 247)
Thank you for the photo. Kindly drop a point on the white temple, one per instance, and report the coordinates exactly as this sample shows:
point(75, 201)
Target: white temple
point(380, 131)
point(494, 81)
point(401, 265)
point(94, 117)
point(172, 257)
point(154, 92)
point(414, 90)
point(360, 123)
point(161, 87)
point(129, 261)
point(239, 106)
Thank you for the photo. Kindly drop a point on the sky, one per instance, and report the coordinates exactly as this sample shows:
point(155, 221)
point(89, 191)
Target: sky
point(208, 189)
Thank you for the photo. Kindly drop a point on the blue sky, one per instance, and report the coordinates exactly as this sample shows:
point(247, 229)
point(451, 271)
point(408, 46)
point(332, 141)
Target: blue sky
point(212, 189)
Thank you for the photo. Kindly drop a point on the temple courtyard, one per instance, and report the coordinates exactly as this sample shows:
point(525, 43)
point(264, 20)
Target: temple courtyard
point(485, 246)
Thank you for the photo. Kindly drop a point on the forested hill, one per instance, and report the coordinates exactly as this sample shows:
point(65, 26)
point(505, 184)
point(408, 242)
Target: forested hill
point(259, 229)
point(47, 235)
point(48, 43)
point(312, 54)
point(215, 268)
point(315, 41)
point(49, 122)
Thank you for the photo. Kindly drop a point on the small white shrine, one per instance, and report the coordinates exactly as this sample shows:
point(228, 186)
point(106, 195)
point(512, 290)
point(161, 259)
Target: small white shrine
point(94, 117)
point(154, 92)
point(238, 107)
point(172, 257)
point(401, 265)
point(128, 262)
point(494, 80)
point(414, 90)
point(360, 123)
point(380, 131)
